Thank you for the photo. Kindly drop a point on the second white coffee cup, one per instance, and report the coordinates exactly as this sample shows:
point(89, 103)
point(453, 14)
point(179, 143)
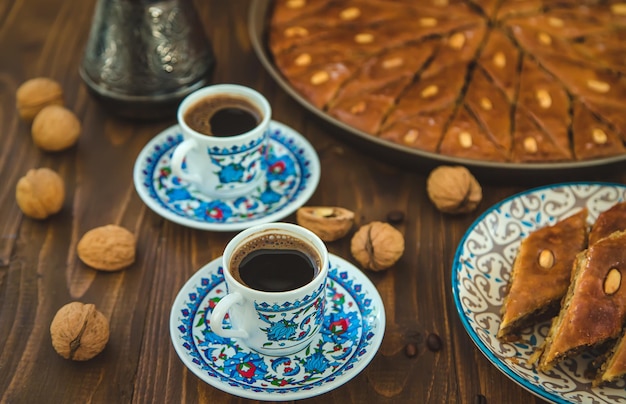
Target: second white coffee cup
point(226, 131)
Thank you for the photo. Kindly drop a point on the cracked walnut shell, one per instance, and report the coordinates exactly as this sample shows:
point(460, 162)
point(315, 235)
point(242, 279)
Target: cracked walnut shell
point(107, 248)
point(453, 189)
point(328, 222)
point(40, 193)
point(35, 94)
point(79, 331)
point(377, 245)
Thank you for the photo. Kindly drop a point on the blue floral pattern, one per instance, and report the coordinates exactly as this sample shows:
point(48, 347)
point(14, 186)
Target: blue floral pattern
point(351, 331)
point(291, 325)
point(234, 167)
point(291, 170)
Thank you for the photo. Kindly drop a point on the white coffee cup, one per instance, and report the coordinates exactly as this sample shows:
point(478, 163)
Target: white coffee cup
point(273, 322)
point(222, 165)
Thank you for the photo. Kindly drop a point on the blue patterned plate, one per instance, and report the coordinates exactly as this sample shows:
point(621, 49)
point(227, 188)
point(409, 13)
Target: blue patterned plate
point(354, 324)
point(481, 270)
point(293, 172)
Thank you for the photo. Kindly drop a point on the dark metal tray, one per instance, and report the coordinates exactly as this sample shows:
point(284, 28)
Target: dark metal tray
point(257, 24)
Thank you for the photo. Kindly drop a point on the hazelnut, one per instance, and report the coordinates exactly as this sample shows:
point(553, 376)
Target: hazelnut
point(486, 104)
point(530, 145)
point(377, 245)
point(544, 38)
point(328, 222)
point(430, 91)
point(320, 77)
point(457, 41)
point(358, 108)
point(304, 59)
point(55, 128)
point(40, 193)
point(411, 136)
point(618, 8)
point(364, 38)
point(79, 331)
point(599, 136)
point(556, 22)
point(393, 62)
point(598, 86)
point(453, 189)
point(499, 59)
point(546, 259)
point(35, 94)
point(465, 140)
point(350, 13)
point(428, 22)
point(612, 281)
point(107, 248)
point(292, 32)
point(544, 98)
point(295, 3)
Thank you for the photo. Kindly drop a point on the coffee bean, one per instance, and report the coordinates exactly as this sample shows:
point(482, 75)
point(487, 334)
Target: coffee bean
point(395, 217)
point(480, 399)
point(410, 350)
point(433, 342)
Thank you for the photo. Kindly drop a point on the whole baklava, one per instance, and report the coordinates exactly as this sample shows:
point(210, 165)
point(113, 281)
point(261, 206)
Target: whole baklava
point(495, 80)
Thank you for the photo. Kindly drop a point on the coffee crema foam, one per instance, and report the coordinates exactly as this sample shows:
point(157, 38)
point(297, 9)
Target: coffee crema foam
point(223, 115)
point(272, 241)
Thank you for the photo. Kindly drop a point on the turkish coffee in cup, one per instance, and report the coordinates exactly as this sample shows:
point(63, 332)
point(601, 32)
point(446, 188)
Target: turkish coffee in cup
point(226, 134)
point(223, 115)
point(275, 275)
point(275, 262)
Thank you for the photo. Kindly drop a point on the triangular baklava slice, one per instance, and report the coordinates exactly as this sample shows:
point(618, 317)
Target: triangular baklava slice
point(593, 311)
point(608, 222)
point(614, 365)
point(593, 138)
point(541, 274)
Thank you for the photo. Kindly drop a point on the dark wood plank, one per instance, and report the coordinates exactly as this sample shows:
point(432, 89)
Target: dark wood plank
point(40, 272)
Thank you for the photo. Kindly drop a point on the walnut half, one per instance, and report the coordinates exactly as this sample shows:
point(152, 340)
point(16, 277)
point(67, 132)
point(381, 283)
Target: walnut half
point(328, 222)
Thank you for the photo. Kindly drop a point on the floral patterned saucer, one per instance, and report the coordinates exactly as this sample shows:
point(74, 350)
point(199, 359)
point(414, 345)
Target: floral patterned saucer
point(354, 324)
point(292, 174)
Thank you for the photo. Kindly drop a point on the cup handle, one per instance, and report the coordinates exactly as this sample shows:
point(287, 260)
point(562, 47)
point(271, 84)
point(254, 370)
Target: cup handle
point(219, 312)
point(179, 156)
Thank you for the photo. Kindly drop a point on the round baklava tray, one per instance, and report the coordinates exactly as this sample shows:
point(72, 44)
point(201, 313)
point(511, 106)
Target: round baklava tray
point(521, 84)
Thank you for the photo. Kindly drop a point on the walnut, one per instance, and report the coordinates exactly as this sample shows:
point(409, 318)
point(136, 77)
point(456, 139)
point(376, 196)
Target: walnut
point(35, 94)
point(377, 245)
point(328, 222)
point(79, 331)
point(107, 248)
point(55, 128)
point(453, 189)
point(40, 193)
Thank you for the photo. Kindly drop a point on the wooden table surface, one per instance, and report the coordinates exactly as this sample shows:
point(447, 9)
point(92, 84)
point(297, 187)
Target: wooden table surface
point(40, 271)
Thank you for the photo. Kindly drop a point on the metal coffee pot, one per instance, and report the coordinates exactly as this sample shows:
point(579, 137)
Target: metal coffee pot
point(143, 57)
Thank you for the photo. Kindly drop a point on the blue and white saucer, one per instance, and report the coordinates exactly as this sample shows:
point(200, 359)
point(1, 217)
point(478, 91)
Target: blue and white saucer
point(292, 175)
point(354, 324)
